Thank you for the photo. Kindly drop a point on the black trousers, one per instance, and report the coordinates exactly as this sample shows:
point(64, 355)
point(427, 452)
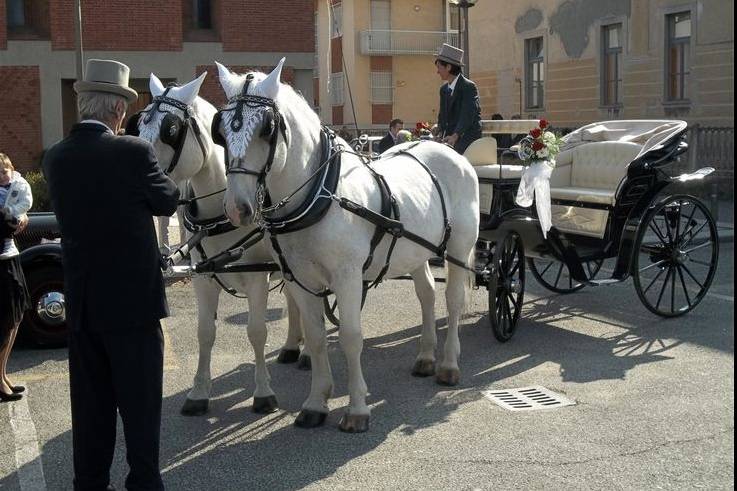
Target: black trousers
point(111, 372)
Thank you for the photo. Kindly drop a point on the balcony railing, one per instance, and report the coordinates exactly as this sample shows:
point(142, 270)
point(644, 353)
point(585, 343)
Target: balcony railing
point(388, 43)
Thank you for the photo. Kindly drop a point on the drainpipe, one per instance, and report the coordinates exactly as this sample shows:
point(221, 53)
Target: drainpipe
point(78, 38)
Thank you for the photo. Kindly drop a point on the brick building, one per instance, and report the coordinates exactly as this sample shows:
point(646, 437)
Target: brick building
point(176, 39)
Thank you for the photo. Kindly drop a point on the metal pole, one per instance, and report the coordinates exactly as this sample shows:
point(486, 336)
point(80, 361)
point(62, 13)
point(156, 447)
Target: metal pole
point(465, 40)
point(78, 38)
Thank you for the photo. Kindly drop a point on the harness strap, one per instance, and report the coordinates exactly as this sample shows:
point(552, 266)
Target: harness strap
point(287, 273)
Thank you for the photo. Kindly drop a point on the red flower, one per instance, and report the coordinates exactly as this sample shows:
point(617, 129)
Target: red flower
point(536, 132)
point(537, 146)
point(543, 123)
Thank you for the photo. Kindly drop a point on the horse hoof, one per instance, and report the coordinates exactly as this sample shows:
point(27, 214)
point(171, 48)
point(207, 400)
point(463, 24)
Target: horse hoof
point(265, 405)
point(448, 376)
point(308, 418)
point(304, 363)
point(358, 423)
point(288, 356)
point(423, 368)
point(195, 407)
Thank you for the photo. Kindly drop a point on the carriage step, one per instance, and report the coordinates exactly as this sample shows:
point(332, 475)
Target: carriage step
point(607, 281)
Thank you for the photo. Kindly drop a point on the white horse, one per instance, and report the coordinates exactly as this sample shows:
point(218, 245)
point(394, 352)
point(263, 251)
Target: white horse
point(330, 253)
point(201, 163)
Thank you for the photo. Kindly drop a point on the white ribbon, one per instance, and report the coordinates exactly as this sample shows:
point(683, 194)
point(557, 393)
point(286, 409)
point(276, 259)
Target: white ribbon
point(535, 186)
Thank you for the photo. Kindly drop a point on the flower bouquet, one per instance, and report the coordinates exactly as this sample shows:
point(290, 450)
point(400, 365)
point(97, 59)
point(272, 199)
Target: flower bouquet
point(540, 144)
point(538, 150)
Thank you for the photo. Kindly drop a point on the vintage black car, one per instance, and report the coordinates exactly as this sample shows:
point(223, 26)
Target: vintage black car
point(44, 324)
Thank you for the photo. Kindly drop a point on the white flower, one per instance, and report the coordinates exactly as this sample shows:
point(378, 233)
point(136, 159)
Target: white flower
point(543, 153)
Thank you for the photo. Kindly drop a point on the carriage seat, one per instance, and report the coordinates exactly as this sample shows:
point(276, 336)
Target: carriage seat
point(482, 154)
point(591, 172)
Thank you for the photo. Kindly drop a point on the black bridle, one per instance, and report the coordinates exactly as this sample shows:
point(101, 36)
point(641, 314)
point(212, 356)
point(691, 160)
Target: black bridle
point(173, 131)
point(273, 124)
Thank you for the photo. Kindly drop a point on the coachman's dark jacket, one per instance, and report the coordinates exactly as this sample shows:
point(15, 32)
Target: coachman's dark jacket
point(460, 113)
point(105, 191)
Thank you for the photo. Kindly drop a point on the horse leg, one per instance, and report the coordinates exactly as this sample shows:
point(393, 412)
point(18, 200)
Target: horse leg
point(257, 290)
point(289, 353)
point(459, 283)
point(348, 292)
point(315, 408)
point(207, 293)
point(425, 291)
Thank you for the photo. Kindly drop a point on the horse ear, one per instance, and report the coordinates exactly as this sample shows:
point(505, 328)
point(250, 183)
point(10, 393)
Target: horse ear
point(270, 85)
point(227, 81)
point(188, 93)
point(155, 85)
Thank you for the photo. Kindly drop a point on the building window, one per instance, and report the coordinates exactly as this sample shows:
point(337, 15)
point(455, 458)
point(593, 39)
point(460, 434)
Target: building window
point(534, 73)
point(382, 88)
point(336, 89)
point(678, 54)
point(202, 14)
point(15, 11)
point(611, 65)
point(336, 20)
point(452, 17)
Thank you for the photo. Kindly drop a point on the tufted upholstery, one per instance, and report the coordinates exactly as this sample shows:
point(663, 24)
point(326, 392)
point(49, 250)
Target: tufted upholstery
point(482, 151)
point(592, 172)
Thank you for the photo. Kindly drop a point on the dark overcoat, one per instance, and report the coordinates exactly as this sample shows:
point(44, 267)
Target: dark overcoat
point(105, 191)
point(460, 113)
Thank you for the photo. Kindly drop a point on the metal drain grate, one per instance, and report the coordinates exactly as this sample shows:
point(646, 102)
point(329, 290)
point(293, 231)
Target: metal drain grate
point(527, 398)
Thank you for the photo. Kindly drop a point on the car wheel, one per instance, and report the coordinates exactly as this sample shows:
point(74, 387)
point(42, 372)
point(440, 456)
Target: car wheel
point(44, 324)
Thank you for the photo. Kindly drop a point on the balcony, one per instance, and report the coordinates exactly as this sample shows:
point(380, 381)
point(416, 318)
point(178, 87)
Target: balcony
point(390, 43)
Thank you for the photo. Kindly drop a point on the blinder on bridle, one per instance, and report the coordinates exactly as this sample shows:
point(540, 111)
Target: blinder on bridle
point(272, 124)
point(173, 130)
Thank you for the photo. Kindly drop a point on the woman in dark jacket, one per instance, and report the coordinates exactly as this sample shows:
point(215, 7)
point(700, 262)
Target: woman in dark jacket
point(14, 300)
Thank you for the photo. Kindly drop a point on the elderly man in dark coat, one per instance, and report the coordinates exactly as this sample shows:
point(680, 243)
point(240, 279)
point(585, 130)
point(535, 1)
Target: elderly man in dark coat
point(459, 117)
point(105, 190)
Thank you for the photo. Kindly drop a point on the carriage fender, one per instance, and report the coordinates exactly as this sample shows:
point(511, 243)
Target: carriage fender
point(694, 176)
point(42, 253)
point(636, 220)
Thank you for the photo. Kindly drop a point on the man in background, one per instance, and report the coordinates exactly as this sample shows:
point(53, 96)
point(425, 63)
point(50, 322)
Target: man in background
point(391, 138)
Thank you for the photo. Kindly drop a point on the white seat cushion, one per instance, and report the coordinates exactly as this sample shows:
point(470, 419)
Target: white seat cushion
point(601, 165)
point(482, 151)
point(492, 171)
point(585, 195)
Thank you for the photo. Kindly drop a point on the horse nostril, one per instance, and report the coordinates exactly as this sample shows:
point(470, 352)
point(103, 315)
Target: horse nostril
point(245, 210)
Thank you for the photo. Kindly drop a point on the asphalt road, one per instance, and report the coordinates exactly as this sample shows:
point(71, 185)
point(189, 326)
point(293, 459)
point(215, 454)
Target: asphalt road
point(654, 402)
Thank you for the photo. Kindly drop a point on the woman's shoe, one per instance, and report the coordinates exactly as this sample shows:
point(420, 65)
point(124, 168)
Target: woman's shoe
point(9, 397)
point(17, 389)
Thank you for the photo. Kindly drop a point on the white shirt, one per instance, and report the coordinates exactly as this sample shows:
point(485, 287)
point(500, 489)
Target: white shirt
point(452, 85)
point(94, 121)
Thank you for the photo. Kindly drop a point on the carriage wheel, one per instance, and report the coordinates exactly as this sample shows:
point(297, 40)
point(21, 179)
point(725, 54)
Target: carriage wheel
point(506, 286)
point(554, 275)
point(330, 305)
point(677, 256)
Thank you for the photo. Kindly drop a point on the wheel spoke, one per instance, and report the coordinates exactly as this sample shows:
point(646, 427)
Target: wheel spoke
point(688, 271)
point(653, 265)
point(560, 271)
point(654, 227)
point(662, 290)
point(688, 222)
point(678, 221)
point(699, 262)
point(698, 247)
point(673, 292)
point(653, 282)
point(515, 268)
point(550, 264)
point(693, 236)
point(683, 284)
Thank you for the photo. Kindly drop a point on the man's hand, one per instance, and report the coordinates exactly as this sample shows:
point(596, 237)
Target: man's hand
point(22, 223)
point(451, 140)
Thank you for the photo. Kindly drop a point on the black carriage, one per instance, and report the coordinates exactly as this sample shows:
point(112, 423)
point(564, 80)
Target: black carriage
point(611, 198)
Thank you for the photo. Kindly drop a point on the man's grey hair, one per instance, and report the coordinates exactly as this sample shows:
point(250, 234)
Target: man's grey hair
point(98, 105)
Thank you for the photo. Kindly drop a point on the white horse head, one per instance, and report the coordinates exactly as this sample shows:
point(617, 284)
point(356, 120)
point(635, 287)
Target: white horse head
point(193, 156)
point(249, 140)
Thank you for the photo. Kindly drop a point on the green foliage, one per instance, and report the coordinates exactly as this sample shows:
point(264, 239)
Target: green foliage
point(40, 191)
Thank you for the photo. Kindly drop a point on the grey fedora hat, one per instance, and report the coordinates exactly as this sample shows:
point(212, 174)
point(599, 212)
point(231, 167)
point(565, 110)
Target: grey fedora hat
point(450, 54)
point(106, 76)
